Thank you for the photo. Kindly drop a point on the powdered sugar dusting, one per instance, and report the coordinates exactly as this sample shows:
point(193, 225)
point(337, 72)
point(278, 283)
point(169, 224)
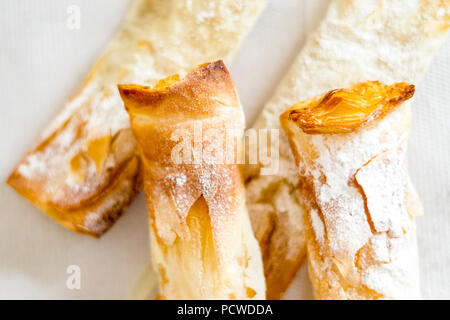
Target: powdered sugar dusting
point(380, 248)
point(180, 180)
point(359, 180)
point(398, 278)
point(386, 194)
point(317, 224)
point(52, 163)
point(31, 166)
point(343, 207)
point(354, 43)
point(198, 202)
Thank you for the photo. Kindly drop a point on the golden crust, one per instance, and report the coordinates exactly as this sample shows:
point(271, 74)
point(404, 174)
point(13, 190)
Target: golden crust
point(346, 110)
point(193, 96)
point(197, 213)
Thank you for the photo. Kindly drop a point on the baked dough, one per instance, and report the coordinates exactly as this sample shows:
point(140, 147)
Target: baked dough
point(85, 171)
point(389, 41)
point(189, 134)
point(350, 148)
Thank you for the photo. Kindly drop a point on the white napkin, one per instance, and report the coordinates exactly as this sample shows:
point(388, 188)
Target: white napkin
point(42, 63)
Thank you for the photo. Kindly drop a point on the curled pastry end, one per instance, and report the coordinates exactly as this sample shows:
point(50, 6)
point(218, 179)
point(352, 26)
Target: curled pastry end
point(346, 110)
point(201, 92)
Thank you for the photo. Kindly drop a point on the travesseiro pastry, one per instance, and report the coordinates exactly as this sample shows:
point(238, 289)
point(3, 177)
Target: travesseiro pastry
point(358, 40)
point(189, 133)
point(350, 148)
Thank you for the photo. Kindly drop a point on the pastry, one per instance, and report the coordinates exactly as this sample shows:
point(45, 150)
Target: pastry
point(350, 148)
point(189, 133)
point(389, 41)
point(84, 170)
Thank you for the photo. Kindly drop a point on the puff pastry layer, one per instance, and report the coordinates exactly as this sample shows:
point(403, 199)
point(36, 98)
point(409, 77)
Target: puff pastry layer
point(350, 147)
point(202, 242)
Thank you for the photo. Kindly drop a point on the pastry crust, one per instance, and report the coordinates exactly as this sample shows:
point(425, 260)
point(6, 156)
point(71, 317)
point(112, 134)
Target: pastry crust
point(389, 41)
point(355, 189)
point(85, 170)
point(202, 243)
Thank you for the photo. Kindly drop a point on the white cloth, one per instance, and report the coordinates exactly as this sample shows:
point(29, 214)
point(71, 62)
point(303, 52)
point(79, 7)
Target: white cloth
point(43, 62)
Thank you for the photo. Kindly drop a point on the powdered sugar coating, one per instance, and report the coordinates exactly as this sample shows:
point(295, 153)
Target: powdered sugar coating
point(358, 182)
point(385, 196)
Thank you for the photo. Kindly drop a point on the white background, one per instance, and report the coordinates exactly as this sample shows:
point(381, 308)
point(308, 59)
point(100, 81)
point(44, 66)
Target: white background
point(42, 63)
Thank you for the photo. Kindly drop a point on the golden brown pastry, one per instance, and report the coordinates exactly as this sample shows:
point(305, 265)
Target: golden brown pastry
point(350, 148)
point(85, 171)
point(391, 41)
point(202, 243)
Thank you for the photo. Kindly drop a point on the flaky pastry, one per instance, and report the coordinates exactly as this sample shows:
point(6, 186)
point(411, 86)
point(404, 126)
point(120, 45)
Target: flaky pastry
point(389, 41)
point(201, 239)
point(350, 148)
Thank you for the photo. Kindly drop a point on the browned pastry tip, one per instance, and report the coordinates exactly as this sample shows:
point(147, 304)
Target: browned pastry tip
point(346, 110)
point(200, 89)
